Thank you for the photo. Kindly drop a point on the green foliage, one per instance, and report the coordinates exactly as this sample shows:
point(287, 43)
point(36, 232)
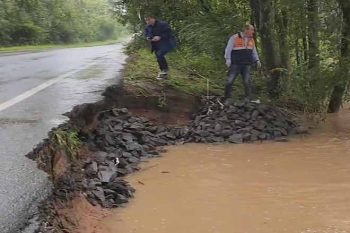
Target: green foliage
point(67, 141)
point(26, 22)
point(294, 46)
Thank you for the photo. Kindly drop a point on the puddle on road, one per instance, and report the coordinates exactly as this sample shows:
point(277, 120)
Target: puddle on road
point(297, 187)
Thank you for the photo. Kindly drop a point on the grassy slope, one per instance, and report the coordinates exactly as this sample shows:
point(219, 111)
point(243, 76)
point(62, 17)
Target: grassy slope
point(143, 67)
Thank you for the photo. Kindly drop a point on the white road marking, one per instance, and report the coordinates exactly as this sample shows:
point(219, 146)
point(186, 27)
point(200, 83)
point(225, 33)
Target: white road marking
point(35, 90)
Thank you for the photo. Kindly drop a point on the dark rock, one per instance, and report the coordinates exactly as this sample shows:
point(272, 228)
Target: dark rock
point(136, 126)
point(92, 169)
point(255, 114)
point(121, 199)
point(281, 139)
point(126, 154)
point(105, 176)
point(112, 156)
point(246, 137)
point(246, 115)
point(127, 137)
point(262, 136)
point(301, 130)
point(122, 163)
point(122, 172)
point(217, 128)
point(239, 104)
point(217, 139)
point(277, 134)
point(92, 185)
point(109, 139)
point(99, 194)
point(108, 204)
point(284, 132)
point(226, 133)
point(124, 111)
point(170, 136)
point(109, 192)
point(133, 146)
point(133, 159)
point(236, 138)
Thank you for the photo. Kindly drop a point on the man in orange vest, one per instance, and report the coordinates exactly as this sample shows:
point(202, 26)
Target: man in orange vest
point(240, 55)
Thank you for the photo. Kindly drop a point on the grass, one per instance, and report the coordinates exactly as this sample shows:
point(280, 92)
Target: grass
point(39, 48)
point(68, 141)
point(143, 68)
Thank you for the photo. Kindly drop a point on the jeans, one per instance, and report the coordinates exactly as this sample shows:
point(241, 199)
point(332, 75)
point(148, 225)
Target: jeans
point(234, 71)
point(163, 64)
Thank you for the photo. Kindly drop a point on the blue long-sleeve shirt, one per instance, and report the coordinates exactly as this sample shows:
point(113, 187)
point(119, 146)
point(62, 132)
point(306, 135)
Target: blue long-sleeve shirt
point(230, 44)
point(162, 29)
point(148, 32)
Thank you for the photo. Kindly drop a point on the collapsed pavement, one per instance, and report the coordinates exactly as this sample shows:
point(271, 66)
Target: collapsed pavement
point(119, 141)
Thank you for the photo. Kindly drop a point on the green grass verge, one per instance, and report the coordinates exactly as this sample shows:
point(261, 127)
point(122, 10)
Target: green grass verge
point(39, 48)
point(143, 68)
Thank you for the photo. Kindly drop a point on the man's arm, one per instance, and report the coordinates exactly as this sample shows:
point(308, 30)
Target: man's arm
point(229, 48)
point(148, 33)
point(256, 58)
point(255, 55)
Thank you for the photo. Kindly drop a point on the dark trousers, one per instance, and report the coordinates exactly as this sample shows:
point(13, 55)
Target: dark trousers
point(163, 64)
point(234, 71)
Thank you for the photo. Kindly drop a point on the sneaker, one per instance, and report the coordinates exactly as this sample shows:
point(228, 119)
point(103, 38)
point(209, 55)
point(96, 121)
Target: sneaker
point(164, 72)
point(162, 75)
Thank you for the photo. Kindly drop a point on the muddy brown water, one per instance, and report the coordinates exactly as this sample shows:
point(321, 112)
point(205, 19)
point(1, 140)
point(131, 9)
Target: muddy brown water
point(296, 187)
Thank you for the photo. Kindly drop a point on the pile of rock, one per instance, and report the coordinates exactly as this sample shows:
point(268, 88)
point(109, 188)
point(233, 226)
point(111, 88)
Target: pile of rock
point(101, 182)
point(121, 142)
point(240, 122)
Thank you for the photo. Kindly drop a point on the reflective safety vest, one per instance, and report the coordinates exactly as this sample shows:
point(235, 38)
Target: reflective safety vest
point(242, 51)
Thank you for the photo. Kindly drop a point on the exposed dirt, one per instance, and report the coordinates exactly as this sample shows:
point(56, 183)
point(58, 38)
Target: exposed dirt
point(79, 216)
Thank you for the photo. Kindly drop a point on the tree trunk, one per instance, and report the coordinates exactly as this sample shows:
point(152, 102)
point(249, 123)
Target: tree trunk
point(336, 99)
point(313, 38)
point(282, 19)
point(263, 9)
point(297, 52)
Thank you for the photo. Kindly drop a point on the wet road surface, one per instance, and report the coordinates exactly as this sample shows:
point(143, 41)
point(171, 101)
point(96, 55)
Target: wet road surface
point(35, 89)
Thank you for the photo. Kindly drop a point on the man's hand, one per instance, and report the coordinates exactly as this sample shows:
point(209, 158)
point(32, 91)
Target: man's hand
point(258, 64)
point(228, 62)
point(156, 38)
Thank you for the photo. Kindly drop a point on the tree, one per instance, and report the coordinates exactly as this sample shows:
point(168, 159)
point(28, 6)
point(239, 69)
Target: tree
point(264, 17)
point(336, 99)
point(313, 38)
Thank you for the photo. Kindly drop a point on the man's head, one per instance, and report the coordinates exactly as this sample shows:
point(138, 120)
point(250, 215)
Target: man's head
point(150, 20)
point(249, 30)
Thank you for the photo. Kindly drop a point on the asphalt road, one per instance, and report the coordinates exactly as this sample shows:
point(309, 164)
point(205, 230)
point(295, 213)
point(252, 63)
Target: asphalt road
point(35, 89)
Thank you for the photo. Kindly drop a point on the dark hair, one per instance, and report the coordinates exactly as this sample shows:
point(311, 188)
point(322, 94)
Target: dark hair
point(150, 17)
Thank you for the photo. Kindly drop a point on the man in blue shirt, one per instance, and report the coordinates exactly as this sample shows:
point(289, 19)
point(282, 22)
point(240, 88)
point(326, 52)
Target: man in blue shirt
point(240, 55)
point(161, 37)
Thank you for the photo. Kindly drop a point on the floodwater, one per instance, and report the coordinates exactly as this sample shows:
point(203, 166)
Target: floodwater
point(297, 187)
